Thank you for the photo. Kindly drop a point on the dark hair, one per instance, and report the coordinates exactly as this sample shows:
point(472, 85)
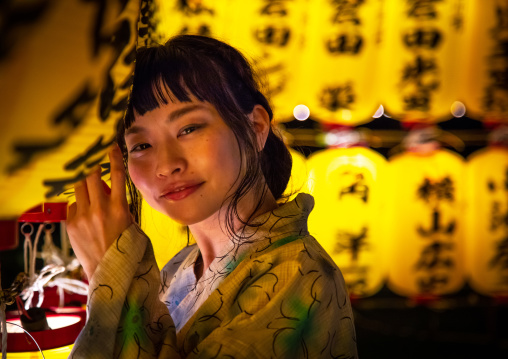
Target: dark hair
point(214, 72)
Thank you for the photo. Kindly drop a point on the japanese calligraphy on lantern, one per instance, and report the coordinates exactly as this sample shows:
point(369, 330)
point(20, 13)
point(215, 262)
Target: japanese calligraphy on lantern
point(69, 82)
point(419, 66)
point(196, 17)
point(348, 187)
point(426, 223)
point(270, 32)
point(487, 234)
point(342, 41)
point(485, 92)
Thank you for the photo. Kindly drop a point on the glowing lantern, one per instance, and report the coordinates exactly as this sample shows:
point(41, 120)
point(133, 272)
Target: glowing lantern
point(271, 33)
point(167, 236)
point(267, 32)
point(298, 180)
point(487, 234)
point(196, 17)
point(419, 60)
point(485, 94)
point(67, 68)
point(347, 184)
point(340, 81)
point(426, 223)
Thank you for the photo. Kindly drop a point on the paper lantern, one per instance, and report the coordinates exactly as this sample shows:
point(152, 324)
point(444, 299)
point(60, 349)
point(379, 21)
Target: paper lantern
point(426, 223)
point(174, 17)
point(487, 234)
point(270, 33)
point(65, 71)
point(167, 236)
point(348, 187)
point(420, 66)
point(340, 77)
point(485, 90)
point(298, 180)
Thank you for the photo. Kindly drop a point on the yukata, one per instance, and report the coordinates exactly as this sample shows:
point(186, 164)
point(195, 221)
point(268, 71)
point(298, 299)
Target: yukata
point(274, 294)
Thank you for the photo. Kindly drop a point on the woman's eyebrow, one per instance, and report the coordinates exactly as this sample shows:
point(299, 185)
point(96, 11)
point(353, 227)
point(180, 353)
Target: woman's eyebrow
point(133, 130)
point(185, 110)
point(171, 117)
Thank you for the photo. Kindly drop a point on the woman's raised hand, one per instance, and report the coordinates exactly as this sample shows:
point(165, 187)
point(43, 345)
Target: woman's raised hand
point(99, 215)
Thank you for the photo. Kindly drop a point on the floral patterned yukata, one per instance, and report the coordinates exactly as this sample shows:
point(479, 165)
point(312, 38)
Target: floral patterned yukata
point(277, 294)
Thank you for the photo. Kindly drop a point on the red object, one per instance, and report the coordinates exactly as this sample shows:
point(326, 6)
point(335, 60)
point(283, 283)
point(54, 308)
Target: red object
point(8, 235)
point(327, 127)
point(414, 125)
point(52, 299)
point(48, 339)
point(106, 187)
point(47, 212)
point(424, 299)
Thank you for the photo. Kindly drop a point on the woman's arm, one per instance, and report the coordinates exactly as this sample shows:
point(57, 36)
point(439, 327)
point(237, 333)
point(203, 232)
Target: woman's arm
point(124, 315)
point(99, 215)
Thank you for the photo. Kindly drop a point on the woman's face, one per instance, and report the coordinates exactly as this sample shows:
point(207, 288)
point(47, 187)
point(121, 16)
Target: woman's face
point(184, 159)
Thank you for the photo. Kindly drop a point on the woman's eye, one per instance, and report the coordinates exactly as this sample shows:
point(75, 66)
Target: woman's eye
point(188, 130)
point(140, 147)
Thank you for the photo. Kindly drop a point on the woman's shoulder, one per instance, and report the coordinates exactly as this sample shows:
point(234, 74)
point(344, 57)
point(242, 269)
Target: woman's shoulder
point(299, 254)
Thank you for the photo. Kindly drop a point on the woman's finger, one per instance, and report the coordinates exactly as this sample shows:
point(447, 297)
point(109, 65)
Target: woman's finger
point(95, 187)
point(81, 192)
point(71, 211)
point(117, 174)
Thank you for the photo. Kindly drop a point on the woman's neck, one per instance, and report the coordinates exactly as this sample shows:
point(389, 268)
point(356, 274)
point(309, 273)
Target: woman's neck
point(211, 235)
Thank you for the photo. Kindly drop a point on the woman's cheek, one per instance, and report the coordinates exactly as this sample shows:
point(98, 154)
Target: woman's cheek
point(139, 173)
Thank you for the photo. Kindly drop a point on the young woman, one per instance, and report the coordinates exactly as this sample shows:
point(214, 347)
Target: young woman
point(198, 145)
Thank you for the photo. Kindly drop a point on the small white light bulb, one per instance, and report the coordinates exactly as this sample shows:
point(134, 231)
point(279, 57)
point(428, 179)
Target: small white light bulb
point(458, 109)
point(380, 111)
point(301, 112)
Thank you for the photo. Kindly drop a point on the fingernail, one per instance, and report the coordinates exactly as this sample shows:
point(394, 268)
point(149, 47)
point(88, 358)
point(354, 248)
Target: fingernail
point(116, 148)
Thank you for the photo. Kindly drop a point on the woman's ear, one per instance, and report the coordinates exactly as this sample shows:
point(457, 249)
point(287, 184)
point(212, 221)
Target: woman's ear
point(261, 124)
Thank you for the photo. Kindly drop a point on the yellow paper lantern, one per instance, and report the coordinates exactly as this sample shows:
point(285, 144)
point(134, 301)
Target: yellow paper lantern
point(484, 91)
point(65, 77)
point(487, 234)
point(425, 225)
point(194, 17)
point(420, 66)
point(340, 77)
point(298, 180)
point(167, 236)
point(348, 187)
point(270, 33)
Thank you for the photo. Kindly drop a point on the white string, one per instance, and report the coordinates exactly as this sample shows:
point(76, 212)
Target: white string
point(64, 241)
point(50, 253)
point(34, 252)
point(30, 252)
point(30, 337)
point(47, 273)
point(27, 249)
point(70, 285)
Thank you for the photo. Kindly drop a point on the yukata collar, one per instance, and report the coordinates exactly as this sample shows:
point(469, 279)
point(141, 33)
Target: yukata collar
point(289, 220)
point(270, 230)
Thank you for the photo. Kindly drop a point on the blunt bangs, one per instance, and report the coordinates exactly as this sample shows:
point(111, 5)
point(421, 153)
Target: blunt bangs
point(176, 73)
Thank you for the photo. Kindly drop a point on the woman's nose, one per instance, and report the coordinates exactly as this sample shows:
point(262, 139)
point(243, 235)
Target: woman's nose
point(170, 161)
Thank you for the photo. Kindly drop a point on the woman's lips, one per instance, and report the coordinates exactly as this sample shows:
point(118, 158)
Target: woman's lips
point(181, 194)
